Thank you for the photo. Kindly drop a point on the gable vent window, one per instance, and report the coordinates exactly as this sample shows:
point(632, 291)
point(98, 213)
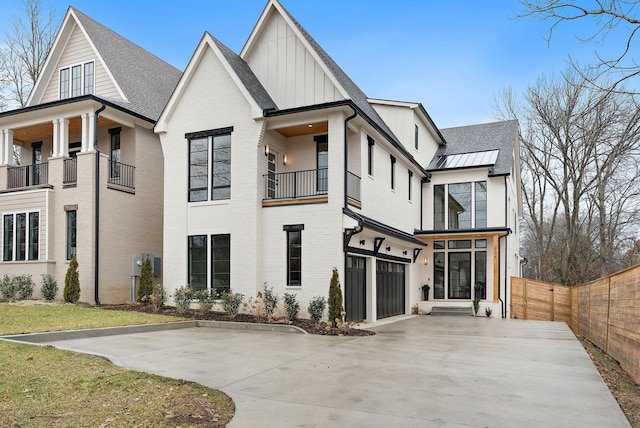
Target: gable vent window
point(77, 80)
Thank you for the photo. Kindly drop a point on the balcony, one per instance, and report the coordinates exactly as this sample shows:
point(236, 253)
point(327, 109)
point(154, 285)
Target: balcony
point(27, 175)
point(122, 175)
point(70, 175)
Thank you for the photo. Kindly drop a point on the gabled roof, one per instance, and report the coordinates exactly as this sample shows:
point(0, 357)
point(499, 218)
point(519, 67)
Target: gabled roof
point(486, 137)
point(144, 80)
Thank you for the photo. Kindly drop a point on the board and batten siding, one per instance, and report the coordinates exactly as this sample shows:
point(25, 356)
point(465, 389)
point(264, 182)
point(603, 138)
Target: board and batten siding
point(77, 51)
point(27, 202)
point(288, 70)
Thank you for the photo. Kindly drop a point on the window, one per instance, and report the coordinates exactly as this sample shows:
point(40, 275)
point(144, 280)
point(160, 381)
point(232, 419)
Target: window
point(481, 274)
point(21, 236)
point(370, 155)
point(114, 168)
point(459, 269)
point(393, 172)
point(77, 80)
point(416, 136)
point(36, 162)
point(322, 162)
point(294, 254)
point(410, 176)
point(210, 165)
point(71, 233)
point(460, 206)
point(209, 276)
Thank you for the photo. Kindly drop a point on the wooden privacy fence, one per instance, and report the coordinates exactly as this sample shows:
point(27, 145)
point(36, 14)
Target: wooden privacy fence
point(606, 312)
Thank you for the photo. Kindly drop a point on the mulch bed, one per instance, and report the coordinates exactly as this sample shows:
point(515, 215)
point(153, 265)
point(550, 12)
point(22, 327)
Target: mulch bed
point(305, 324)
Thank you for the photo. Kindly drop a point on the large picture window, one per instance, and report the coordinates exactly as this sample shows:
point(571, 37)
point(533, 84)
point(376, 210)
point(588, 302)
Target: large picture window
point(210, 165)
point(460, 266)
point(21, 236)
point(77, 80)
point(215, 275)
point(460, 206)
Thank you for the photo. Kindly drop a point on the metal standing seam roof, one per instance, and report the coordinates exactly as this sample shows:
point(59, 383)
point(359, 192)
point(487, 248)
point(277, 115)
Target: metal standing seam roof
point(146, 80)
point(464, 160)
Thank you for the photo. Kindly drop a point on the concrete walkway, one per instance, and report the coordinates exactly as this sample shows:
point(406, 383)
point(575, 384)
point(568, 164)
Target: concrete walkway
point(417, 372)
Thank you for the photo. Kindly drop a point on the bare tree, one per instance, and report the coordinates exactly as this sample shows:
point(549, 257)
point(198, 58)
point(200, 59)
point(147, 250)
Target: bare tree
point(608, 16)
point(25, 49)
point(580, 150)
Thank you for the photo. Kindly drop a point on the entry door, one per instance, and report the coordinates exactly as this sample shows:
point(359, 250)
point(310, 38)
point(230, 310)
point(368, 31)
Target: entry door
point(355, 289)
point(271, 176)
point(390, 289)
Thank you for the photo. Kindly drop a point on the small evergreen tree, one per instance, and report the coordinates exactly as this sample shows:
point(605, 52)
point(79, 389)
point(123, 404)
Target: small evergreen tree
point(146, 281)
point(72, 282)
point(335, 298)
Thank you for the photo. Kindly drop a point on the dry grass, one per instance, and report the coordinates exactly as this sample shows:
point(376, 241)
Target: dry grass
point(625, 391)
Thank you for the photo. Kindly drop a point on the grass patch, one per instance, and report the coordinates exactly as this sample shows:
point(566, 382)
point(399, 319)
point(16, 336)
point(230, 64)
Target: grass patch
point(19, 319)
point(47, 387)
point(625, 391)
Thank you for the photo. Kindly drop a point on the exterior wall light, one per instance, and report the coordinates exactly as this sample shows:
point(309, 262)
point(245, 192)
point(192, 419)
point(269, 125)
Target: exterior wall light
point(266, 150)
point(284, 160)
point(426, 261)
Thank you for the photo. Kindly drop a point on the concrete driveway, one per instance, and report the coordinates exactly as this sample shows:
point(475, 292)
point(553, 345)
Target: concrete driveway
point(420, 371)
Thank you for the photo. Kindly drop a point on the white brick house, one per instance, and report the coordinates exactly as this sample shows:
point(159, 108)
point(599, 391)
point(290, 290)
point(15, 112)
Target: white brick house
point(278, 168)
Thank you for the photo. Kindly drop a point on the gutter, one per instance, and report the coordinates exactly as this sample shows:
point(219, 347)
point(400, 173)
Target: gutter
point(346, 155)
point(97, 207)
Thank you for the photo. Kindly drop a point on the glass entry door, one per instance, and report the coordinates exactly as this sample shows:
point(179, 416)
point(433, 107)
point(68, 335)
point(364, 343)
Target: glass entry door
point(460, 275)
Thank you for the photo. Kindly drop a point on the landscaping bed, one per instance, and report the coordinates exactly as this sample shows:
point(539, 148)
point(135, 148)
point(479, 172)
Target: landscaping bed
point(305, 324)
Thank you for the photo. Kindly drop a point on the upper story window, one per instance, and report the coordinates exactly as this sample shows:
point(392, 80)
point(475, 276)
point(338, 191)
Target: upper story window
point(210, 165)
point(409, 180)
point(393, 172)
point(416, 136)
point(371, 143)
point(77, 80)
point(460, 205)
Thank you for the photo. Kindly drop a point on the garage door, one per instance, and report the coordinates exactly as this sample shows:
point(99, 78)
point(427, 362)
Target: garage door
point(389, 289)
point(355, 289)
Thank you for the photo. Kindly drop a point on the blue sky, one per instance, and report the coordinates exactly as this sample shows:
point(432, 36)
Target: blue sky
point(452, 56)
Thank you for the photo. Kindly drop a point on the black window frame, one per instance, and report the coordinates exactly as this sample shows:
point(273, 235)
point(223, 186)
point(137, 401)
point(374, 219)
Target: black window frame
point(8, 226)
point(71, 233)
point(393, 172)
point(115, 152)
point(197, 243)
point(409, 181)
point(220, 267)
point(294, 253)
point(370, 149)
point(211, 188)
point(416, 137)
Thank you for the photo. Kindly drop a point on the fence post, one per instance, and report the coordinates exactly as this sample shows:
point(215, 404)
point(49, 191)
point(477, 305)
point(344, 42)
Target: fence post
point(606, 337)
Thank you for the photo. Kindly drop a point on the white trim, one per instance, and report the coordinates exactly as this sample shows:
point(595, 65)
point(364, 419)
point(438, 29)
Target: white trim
point(26, 238)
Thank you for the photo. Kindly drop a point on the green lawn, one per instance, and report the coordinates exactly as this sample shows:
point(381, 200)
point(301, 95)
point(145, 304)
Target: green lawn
point(41, 386)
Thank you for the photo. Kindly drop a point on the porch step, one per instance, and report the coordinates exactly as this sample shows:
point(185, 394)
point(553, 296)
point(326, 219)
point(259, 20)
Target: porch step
point(451, 311)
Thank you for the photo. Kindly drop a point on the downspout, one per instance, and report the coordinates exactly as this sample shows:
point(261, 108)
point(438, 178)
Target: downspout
point(97, 207)
point(506, 224)
point(346, 179)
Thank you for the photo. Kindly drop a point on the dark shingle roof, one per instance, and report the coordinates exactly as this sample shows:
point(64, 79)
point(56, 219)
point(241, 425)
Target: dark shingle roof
point(484, 137)
point(247, 77)
point(146, 80)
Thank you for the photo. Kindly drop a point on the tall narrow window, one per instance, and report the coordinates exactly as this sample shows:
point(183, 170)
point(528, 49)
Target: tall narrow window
point(410, 176)
point(371, 143)
point(198, 169)
point(294, 254)
point(393, 172)
point(221, 262)
point(21, 236)
point(36, 162)
point(271, 175)
point(198, 262)
point(481, 204)
point(221, 168)
point(322, 162)
point(34, 235)
point(439, 207)
point(481, 274)
point(71, 234)
point(88, 78)
point(7, 238)
point(459, 206)
point(76, 80)
point(64, 83)
point(416, 136)
point(114, 169)
point(438, 275)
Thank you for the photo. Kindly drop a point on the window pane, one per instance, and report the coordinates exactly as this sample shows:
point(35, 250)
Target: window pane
point(34, 229)
point(294, 258)
point(481, 274)
point(459, 245)
point(7, 240)
point(88, 78)
point(71, 234)
point(221, 174)
point(460, 206)
point(198, 169)
point(221, 261)
point(64, 83)
point(481, 204)
point(21, 236)
point(438, 245)
point(460, 275)
point(198, 262)
point(438, 275)
point(76, 80)
point(115, 155)
point(438, 207)
point(481, 243)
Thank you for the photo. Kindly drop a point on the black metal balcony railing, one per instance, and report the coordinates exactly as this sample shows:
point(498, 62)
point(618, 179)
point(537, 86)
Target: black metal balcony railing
point(353, 186)
point(122, 174)
point(298, 184)
point(70, 174)
point(27, 175)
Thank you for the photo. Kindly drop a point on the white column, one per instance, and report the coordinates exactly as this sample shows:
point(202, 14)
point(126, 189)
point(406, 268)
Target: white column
point(8, 146)
point(88, 135)
point(64, 138)
point(2, 148)
point(56, 138)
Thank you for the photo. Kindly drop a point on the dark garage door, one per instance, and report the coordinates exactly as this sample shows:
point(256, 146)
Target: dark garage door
point(389, 289)
point(355, 289)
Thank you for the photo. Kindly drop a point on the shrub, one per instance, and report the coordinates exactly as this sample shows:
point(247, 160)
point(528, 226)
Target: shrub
point(291, 306)
point(158, 297)
point(335, 298)
point(19, 287)
point(182, 299)
point(231, 303)
point(316, 308)
point(205, 300)
point(476, 306)
point(49, 287)
point(488, 312)
point(71, 292)
point(270, 300)
point(146, 280)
